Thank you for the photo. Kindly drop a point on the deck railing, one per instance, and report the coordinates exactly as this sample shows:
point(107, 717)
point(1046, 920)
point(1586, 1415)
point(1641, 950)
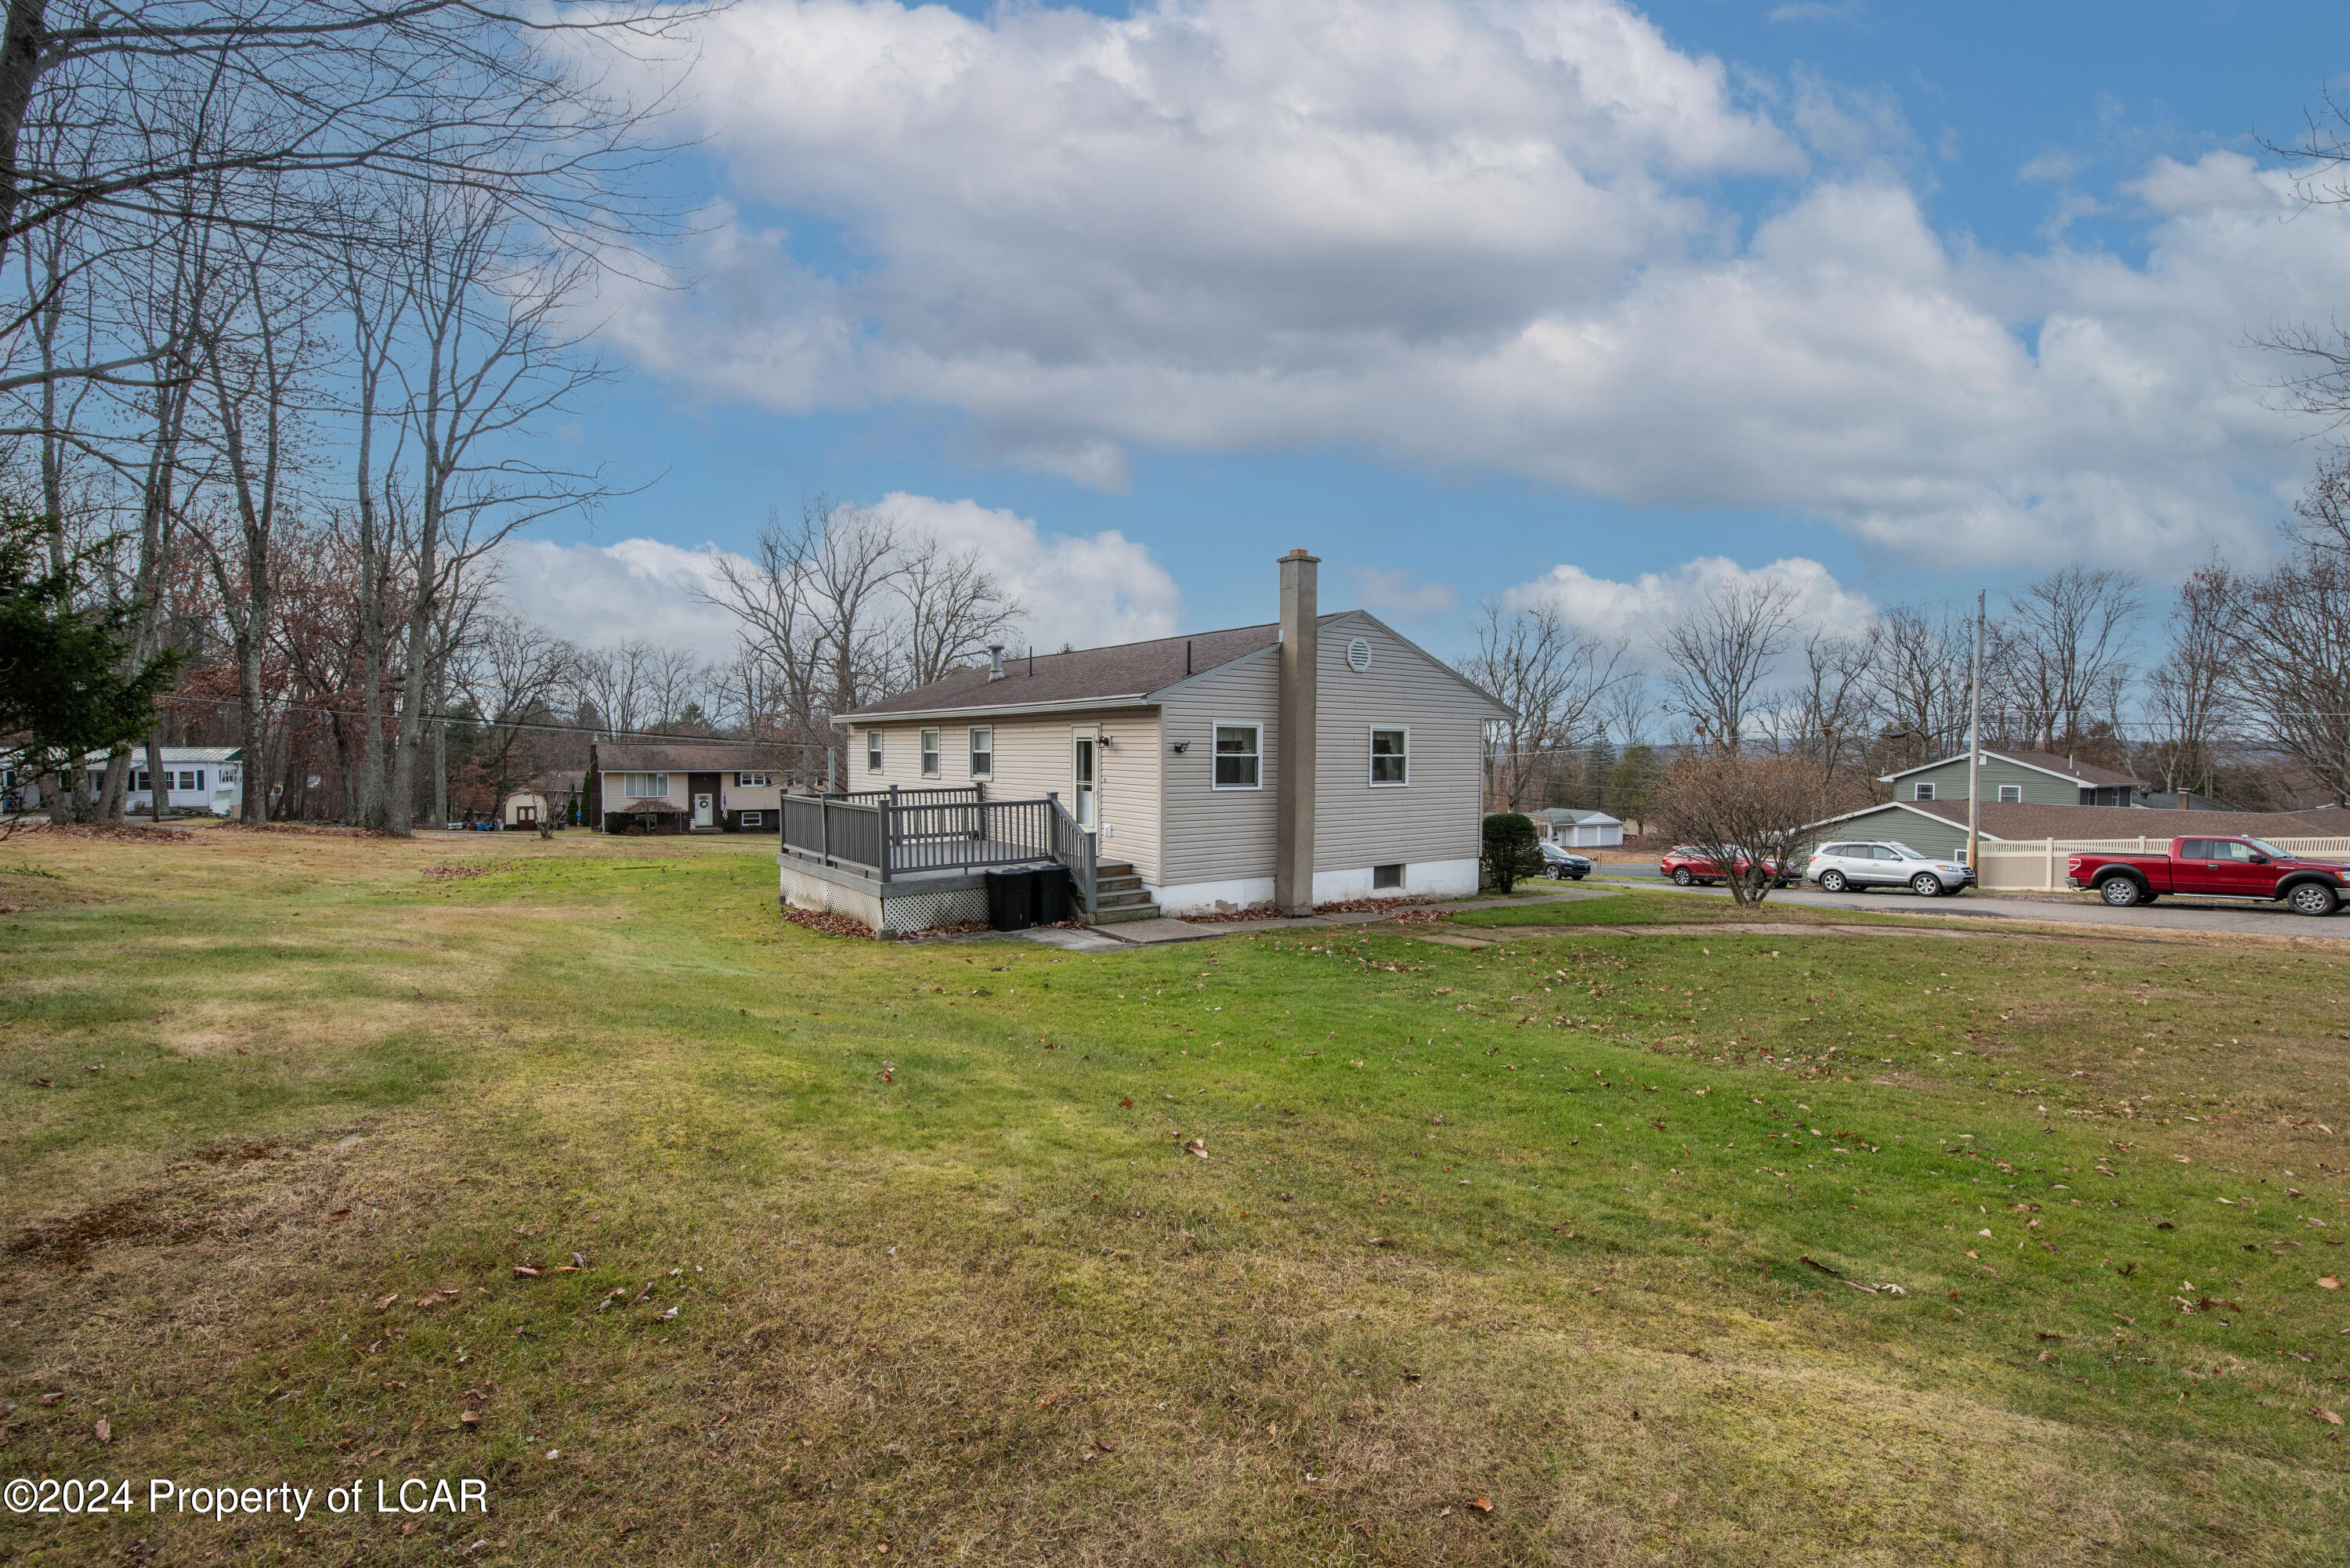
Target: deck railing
point(887, 834)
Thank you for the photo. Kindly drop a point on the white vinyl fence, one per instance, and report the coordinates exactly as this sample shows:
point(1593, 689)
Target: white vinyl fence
point(2038, 865)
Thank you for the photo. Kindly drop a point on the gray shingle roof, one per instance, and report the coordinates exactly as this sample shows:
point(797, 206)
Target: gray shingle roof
point(689, 756)
point(1089, 675)
point(2046, 761)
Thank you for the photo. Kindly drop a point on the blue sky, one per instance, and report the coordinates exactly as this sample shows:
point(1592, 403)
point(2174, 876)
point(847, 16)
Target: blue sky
point(1634, 357)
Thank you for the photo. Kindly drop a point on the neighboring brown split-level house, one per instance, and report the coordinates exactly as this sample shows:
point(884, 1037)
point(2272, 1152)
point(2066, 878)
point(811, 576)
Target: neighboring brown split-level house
point(1314, 758)
point(683, 786)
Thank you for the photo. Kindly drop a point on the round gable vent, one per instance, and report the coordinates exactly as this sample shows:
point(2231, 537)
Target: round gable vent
point(1358, 655)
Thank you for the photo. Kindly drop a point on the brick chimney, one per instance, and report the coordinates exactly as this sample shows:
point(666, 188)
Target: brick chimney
point(1292, 865)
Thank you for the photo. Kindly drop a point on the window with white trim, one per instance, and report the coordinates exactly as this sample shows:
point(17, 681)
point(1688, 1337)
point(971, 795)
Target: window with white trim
point(751, 781)
point(930, 753)
point(872, 751)
point(1238, 751)
point(1923, 792)
point(2011, 794)
point(754, 819)
point(1390, 756)
point(983, 751)
point(644, 786)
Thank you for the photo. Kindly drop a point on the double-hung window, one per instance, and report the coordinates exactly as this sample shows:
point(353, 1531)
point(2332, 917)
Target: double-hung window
point(1923, 792)
point(1390, 756)
point(2011, 794)
point(930, 753)
point(872, 751)
point(1239, 749)
point(644, 786)
point(983, 751)
point(751, 781)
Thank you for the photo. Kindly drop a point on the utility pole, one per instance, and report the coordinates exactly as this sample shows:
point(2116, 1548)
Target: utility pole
point(1974, 751)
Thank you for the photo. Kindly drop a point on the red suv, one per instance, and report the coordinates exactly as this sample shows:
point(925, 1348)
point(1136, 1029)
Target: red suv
point(1691, 867)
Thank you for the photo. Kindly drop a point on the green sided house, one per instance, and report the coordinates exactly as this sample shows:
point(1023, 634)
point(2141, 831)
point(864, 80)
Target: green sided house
point(1314, 758)
point(2016, 778)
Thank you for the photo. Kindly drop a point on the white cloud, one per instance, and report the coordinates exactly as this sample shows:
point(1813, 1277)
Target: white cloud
point(1395, 591)
point(594, 595)
point(1480, 237)
point(1085, 589)
point(1633, 612)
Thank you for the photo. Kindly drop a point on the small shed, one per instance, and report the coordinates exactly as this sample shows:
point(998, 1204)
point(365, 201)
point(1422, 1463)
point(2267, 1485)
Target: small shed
point(1579, 829)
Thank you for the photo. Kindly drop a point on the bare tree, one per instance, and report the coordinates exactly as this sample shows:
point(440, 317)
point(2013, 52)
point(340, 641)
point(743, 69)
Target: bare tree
point(110, 117)
point(509, 669)
point(675, 680)
point(481, 360)
point(255, 356)
point(816, 601)
point(1918, 676)
point(612, 680)
point(2287, 634)
point(2064, 652)
point(1749, 814)
point(1555, 682)
point(1720, 649)
point(1826, 715)
point(953, 606)
point(2186, 692)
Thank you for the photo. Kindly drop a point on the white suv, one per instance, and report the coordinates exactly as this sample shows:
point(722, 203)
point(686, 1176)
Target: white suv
point(1884, 863)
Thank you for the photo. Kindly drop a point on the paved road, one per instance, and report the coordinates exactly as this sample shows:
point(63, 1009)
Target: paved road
point(2168, 914)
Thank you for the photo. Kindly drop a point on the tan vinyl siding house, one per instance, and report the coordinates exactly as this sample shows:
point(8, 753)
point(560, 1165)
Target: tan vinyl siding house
point(1184, 738)
point(1032, 755)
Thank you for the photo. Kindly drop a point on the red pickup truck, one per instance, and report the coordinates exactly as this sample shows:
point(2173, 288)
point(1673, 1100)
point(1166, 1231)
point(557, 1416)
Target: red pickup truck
point(2230, 867)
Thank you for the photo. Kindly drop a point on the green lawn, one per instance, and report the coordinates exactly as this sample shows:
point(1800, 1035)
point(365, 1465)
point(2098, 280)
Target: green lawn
point(1572, 1225)
point(1650, 907)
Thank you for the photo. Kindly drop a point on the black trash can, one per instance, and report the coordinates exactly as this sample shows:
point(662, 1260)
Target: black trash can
point(1011, 900)
point(1054, 896)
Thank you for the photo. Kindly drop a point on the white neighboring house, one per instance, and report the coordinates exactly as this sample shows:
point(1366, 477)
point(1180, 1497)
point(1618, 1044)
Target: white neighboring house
point(1579, 829)
point(195, 778)
point(1171, 756)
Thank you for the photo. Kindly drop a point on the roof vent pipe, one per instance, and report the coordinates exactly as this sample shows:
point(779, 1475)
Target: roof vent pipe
point(995, 661)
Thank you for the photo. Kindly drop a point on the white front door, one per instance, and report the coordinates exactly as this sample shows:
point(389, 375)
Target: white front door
point(1083, 788)
point(705, 811)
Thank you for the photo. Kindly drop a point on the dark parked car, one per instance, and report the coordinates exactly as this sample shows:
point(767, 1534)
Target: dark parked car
point(1563, 863)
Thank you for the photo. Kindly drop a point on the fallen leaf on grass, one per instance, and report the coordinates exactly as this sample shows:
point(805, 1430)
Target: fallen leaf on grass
point(1105, 1445)
point(666, 1316)
point(1125, 1103)
point(434, 1298)
point(338, 1214)
point(1047, 1399)
point(1193, 1146)
point(52, 1399)
point(2328, 1416)
point(1481, 1504)
point(104, 1429)
point(524, 1272)
point(2328, 1282)
point(382, 1303)
point(470, 1417)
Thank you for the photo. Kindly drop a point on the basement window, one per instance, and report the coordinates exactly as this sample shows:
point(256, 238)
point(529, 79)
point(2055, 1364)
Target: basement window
point(1386, 877)
point(754, 819)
